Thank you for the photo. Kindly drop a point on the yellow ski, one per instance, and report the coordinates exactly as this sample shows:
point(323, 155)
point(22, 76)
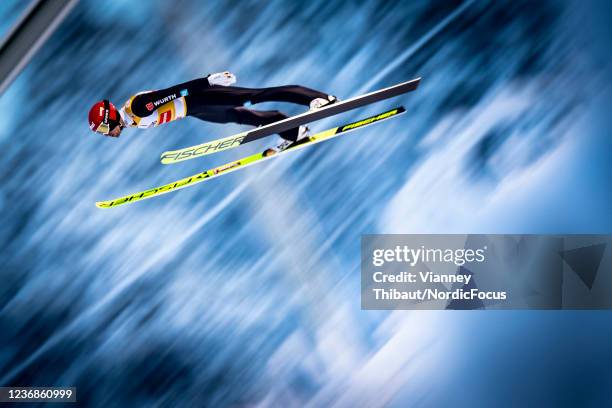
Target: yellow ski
point(249, 160)
point(230, 142)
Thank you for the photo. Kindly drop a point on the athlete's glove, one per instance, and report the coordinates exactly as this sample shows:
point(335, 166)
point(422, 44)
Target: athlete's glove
point(222, 78)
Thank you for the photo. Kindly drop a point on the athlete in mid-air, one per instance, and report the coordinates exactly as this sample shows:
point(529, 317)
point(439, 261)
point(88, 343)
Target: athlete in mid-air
point(212, 99)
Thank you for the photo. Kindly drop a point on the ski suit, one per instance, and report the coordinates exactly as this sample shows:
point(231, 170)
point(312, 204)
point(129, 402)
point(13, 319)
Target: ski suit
point(213, 103)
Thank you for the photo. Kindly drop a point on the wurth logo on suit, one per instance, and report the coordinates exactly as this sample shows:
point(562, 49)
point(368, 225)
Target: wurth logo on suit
point(159, 111)
point(152, 105)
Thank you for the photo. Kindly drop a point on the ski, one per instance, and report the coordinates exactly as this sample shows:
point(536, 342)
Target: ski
point(249, 160)
point(230, 142)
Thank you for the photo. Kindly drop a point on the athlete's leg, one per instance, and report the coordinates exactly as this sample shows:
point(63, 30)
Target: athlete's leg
point(240, 115)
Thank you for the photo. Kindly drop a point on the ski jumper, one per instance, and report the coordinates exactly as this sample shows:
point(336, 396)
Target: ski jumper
point(213, 103)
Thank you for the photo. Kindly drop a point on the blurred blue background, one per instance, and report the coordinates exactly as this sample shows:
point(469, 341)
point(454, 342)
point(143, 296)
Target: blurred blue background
point(245, 290)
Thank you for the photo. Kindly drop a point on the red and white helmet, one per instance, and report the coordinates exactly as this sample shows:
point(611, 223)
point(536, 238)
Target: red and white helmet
point(103, 117)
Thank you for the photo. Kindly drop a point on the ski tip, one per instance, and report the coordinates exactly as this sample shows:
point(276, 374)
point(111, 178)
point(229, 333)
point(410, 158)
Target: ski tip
point(165, 157)
point(166, 160)
point(171, 157)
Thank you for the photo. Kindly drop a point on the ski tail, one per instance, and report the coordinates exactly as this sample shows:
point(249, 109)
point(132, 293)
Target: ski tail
point(250, 160)
point(230, 142)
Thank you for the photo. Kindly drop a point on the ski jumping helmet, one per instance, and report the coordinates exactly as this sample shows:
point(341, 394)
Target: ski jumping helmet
point(103, 117)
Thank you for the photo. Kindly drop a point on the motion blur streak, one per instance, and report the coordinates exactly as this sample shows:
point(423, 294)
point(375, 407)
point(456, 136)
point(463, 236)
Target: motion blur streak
point(153, 261)
point(414, 48)
point(245, 290)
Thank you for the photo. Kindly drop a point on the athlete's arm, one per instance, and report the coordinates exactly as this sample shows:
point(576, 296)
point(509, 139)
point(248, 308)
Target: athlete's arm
point(145, 104)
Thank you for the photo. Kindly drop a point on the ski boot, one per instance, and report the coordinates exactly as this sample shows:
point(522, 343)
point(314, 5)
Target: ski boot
point(303, 134)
